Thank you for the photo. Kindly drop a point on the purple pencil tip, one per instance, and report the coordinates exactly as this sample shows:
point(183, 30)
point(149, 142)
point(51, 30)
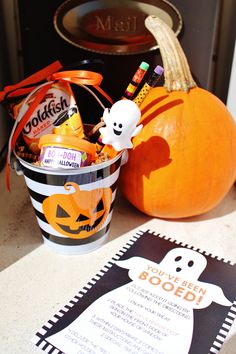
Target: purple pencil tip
point(159, 70)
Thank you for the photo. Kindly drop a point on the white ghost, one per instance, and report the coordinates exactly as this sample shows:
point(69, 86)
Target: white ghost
point(121, 121)
point(175, 281)
point(185, 264)
point(154, 311)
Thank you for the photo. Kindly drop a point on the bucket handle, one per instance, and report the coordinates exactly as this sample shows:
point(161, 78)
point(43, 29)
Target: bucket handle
point(125, 157)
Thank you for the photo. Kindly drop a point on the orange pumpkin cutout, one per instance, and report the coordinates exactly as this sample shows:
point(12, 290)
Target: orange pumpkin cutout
point(78, 214)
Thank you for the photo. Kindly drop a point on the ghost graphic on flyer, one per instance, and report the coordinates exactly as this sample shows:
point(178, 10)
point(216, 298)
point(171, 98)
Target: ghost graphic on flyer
point(153, 312)
point(175, 283)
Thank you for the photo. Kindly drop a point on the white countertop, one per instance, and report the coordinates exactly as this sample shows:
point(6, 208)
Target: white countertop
point(35, 282)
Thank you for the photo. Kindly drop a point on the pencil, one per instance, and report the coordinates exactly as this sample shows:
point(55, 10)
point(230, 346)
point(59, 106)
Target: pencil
point(136, 80)
point(151, 82)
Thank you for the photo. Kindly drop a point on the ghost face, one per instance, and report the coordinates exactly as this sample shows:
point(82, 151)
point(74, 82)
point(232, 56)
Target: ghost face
point(121, 122)
point(123, 117)
point(184, 262)
point(117, 128)
point(121, 126)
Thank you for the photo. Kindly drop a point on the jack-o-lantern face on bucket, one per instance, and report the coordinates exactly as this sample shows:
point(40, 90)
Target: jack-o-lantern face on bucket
point(78, 214)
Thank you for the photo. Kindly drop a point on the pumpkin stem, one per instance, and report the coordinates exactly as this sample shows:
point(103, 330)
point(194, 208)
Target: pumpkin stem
point(176, 69)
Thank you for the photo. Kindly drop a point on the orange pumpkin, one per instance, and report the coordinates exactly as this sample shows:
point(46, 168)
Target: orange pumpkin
point(184, 160)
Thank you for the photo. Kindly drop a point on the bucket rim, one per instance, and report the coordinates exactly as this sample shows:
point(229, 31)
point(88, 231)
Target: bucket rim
point(69, 171)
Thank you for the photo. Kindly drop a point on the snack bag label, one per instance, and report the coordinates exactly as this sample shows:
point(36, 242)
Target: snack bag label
point(58, 100)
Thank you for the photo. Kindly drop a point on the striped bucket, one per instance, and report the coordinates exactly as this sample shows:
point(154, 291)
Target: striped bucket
point(73, 207)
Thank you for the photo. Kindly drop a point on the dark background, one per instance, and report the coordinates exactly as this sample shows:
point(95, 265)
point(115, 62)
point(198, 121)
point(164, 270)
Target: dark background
point(30, 42)
point(41, 45)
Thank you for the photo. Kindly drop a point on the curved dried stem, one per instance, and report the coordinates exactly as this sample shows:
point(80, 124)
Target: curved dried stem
point(176, 69)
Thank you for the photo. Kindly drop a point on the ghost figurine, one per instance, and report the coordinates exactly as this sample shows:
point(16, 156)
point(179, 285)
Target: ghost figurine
point(154, 310)
point(121, 124)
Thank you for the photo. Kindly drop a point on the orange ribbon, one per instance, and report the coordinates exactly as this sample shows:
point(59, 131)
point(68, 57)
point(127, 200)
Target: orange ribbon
point(83, 77)
point(79, 77)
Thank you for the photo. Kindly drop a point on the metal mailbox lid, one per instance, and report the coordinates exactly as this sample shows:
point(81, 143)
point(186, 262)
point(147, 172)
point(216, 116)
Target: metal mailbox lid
point(113, 27)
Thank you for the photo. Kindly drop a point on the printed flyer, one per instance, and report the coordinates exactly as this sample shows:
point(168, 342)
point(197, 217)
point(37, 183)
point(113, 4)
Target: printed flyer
point(154, 297)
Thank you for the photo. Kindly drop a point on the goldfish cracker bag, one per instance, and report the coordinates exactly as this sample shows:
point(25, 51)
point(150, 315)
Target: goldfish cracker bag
point(58, 109)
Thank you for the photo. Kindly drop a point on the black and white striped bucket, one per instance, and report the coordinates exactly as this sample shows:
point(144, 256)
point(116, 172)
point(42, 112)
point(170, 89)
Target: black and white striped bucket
point(73, 207)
